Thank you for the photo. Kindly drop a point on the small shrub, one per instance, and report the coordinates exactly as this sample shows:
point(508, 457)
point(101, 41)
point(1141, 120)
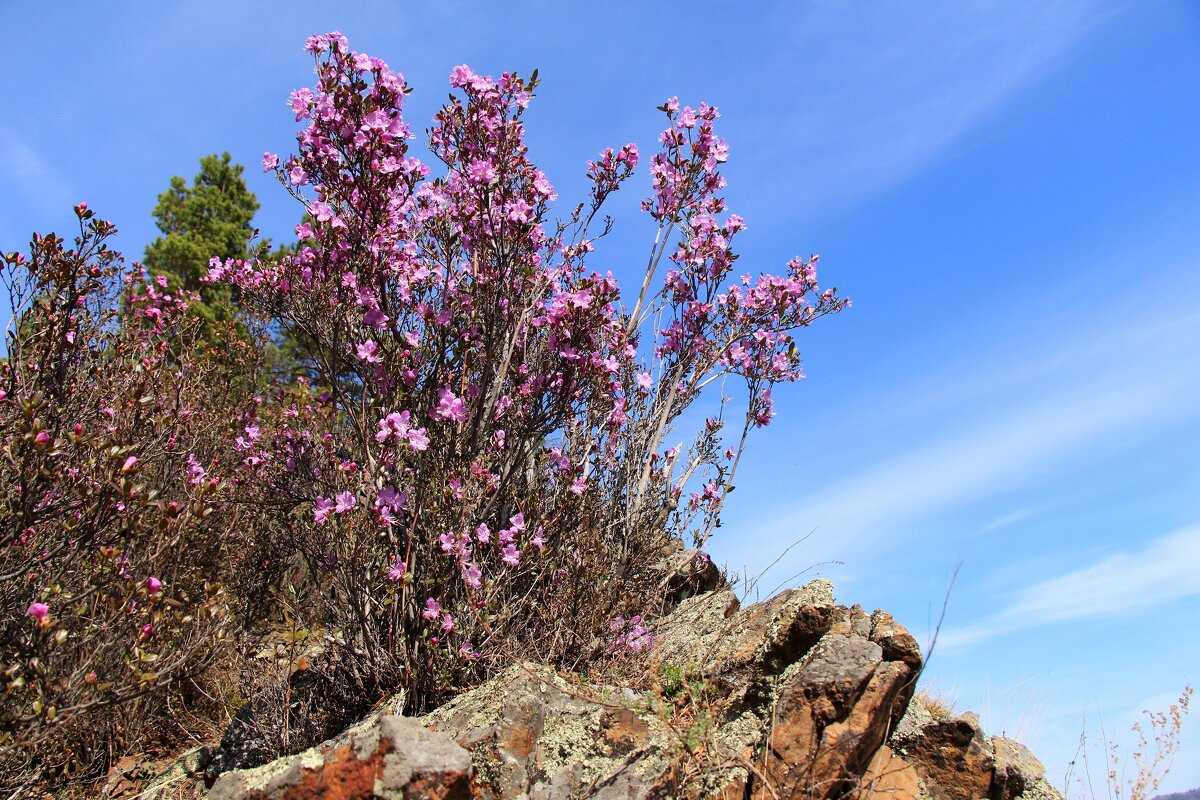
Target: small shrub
point(112, 549)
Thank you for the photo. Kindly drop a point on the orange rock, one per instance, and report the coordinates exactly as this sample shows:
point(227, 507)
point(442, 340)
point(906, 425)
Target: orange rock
point(888, 777)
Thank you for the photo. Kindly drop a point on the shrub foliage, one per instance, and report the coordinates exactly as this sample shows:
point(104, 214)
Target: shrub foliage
point(473, 466)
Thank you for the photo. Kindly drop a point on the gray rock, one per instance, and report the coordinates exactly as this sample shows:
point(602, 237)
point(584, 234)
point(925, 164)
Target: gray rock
point(1016, 769)
point(391, 757)
point(794, 696)
point(915, 718)
point(833, 712)
point(688, 573)
point(742, 651)
point(1041, 790)
point(183, 778)
point(957, 761)
point(533, 734)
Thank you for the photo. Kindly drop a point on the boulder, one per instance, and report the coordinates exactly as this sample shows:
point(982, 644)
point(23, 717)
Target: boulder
point(183, 777)
point(732, 716)
point(809, 691)
point(687, 573)
point(739, 651)
point(835, 708)
point(387, 757)
point(956, 760)
point(889, 776)
point(532, 733)
point(1015, 771)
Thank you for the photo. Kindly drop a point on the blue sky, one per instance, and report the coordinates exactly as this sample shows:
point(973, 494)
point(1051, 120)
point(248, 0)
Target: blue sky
point(1007, 190)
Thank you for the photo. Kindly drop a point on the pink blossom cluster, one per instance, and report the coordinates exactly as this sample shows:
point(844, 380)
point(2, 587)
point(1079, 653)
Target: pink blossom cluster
point(630, 635)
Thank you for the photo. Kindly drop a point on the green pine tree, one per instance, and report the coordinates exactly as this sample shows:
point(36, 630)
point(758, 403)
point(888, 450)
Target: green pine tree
point(212, 217)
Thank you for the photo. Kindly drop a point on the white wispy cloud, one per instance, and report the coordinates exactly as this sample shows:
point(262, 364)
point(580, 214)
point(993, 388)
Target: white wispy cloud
point(26, 176)
point(881, 99)
point(1162, 572)
point(1007, 519)
point(1031, 427)
point(863, 509)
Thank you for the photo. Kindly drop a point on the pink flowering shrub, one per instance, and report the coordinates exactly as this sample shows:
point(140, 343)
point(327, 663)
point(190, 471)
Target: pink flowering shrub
point(112, 551)
point(477, 464)
point(476, 469)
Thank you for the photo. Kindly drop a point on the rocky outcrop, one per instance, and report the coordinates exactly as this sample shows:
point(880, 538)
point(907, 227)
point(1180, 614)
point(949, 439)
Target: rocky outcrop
point(388, 757)
point(793, 697)
point(810, 690)
point(956, 760)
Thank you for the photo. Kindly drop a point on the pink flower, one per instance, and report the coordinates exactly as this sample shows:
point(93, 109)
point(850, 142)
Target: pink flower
point(390, 498)
point(394, 424)
point(366, 352)
point(432, 608)
point(542, 186)
point(511, 555)
point(483, 534)
point(129, 465)
point(447, 622)
point(450, 406)
point(269, 161)
point(467, 650)
point(38, 611)
point(42, 440)
point(461, 76)
point(644, 381)
point(321, 509)
point(482, 171)
point(375, 318)
point(397, 570)
point(345, 502)
point(153, 584)
point(472, 576)
point(634, 639)
point(418, 439)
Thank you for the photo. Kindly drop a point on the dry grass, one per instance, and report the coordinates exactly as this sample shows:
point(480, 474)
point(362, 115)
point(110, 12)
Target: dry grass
point(939, 703)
